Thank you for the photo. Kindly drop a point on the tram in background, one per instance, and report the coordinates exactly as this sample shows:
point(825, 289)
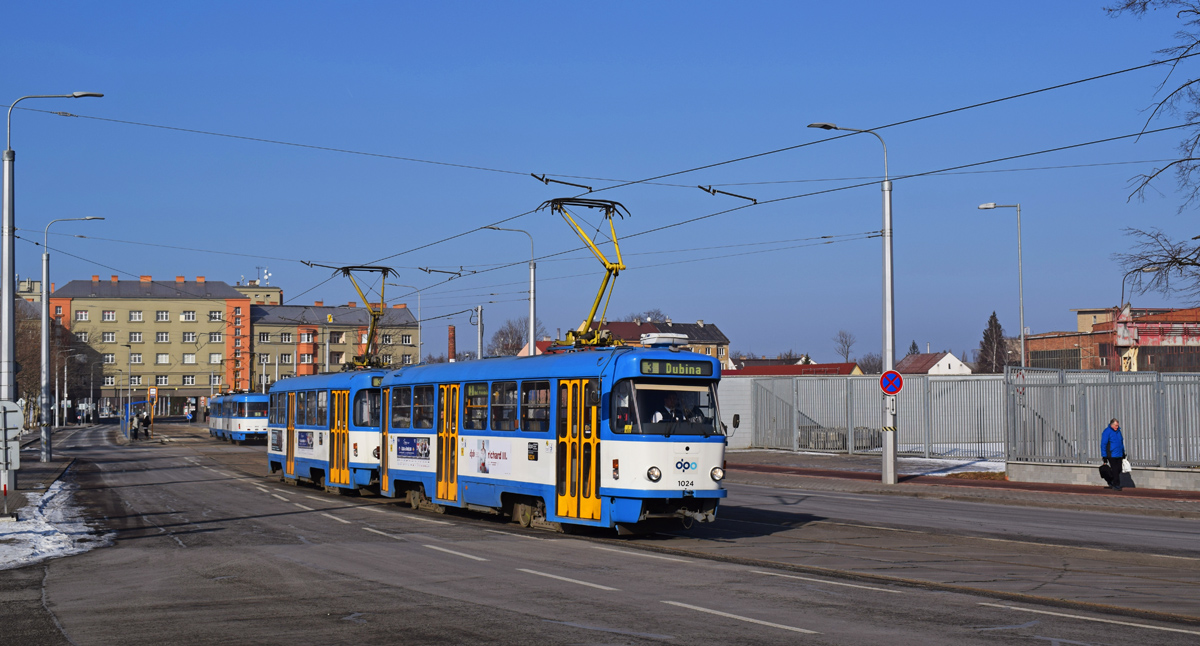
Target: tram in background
point(611, 437)
point(238, 417)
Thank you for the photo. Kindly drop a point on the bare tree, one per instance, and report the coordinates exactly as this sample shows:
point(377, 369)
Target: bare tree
point(871, 363)
point(652, 314)
point(843, 343)
point(1156, 263)
point(512, 336)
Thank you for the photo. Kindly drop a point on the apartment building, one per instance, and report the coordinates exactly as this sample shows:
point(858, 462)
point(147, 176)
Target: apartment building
point(187, 338)
point(289, 340)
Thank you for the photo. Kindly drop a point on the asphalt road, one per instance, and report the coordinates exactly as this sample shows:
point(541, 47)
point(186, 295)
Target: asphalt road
point(207, 551)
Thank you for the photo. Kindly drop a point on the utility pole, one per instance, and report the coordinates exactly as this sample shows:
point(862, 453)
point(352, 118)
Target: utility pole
point(479, 331)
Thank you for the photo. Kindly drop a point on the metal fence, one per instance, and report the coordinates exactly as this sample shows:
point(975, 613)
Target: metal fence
point(1059, 415)
point(960, 417)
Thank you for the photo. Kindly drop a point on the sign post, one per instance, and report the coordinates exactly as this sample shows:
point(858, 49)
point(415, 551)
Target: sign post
point(11, 421)
point(891, 383)
point(152, 395)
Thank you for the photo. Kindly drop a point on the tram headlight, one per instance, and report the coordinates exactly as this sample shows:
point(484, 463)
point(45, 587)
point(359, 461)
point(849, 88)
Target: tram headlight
point(654, 474)
point(717, 473)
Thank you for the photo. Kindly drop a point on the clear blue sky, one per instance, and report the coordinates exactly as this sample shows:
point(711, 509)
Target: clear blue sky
point(614, 91)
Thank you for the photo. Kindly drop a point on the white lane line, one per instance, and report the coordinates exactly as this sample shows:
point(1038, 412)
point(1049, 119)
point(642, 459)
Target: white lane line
point(563, 578)
point(848, 585)
point(317, 498)
point(344, 522)
point(466, 556)
point(649, 556)
point(423, 520)
point(532, 538)
point(1103, 621)
point(303, 506)
point(376, 531)
point(262, 489)
point(280, 497)
point(741, 618)
point(369, 508)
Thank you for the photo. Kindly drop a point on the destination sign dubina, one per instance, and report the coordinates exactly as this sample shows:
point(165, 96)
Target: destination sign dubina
point(681, 368)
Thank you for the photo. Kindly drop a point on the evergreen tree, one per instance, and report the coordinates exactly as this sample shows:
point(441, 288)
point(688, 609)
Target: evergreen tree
point(993, 351)
point(913, 349)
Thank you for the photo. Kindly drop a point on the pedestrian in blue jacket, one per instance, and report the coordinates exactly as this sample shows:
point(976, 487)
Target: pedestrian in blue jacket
point(1112, 449)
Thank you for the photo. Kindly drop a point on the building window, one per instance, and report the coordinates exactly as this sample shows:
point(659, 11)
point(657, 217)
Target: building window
point(108, 315)
point(81, 337)
point(387, 339)
point(306, 358)
point(285, 359)
point(214, 380)
point(406, 359)
point(189, 380)
point(336, 357)
point(81, 315)
point(160, 380)
point(135, 380)
point(58, 310)
point(215, 315)
point(135, 337)
point(237, 343)
point(721, 351)
point(307, 337)
point(237, 311)
point(162, 357)
point(237, 320)
point(237, 331)
point(285, 337)
point(110, 380)
point(135, 357)
point(264, 358)
point(108, 358)
point(215, 357)
point(215, 337)
point(264, 337)
point(405, 339)
point(362, 338)
point(387, 359)
point(237, 354)
point(108, 337)
point(189, 358)
point(237, 376)
point(162, 316)
point(189, 337)
point(135, 316)
point(336, 337)
point(162, 337)
point(188, 316)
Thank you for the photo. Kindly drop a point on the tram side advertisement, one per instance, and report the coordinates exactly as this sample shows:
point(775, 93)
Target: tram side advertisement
point(490, 456)
point(412, 452)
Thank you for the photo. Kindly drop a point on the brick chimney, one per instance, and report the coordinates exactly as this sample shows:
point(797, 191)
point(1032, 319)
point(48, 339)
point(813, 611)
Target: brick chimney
point(114, 280)
point(95, 278)
point(52, 288)
point(453, 348)
point(319, 303)
point(145, 279)
point(179, 279)
point(200, 279)
point(399, 306)
point(352, 304)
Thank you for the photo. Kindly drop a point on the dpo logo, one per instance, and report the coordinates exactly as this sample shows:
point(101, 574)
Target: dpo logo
point(686, 466)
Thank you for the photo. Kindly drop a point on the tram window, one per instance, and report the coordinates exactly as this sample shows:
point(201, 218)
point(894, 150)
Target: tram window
point(564, 408)
point(256, 409)
point(477, 403)
point(622, 408)
point(588, 395)
point(366, 407)
point(423, 407)
point(302, 408)
point(504, 406)
point(311, 407)
point(402, 407)
point(675, 409)
point(322, 408)
point(535, 406)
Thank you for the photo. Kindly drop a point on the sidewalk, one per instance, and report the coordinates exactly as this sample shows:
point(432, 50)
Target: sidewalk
point(861, 474)
point(34, 475)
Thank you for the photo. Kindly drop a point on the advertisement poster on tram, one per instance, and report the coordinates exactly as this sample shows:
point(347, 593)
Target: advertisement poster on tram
point(412, 452)
point(491, 457)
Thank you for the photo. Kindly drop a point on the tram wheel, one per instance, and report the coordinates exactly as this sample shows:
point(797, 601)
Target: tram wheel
point(523, 514)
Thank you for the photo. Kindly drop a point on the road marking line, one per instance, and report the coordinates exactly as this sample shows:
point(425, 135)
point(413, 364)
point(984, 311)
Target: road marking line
point(280, 497)
point(369, 508)
point(423, 520)
point(467, 556)
point(317, 498)
point(741, 618)
point(303, 506)
point(262, 489)
point(889, 529)
point(376, 531)
point(848, 585)
point(1103, 621)
point(563, 578)
point(532, 538)
point(345, 522)
point(649, 556)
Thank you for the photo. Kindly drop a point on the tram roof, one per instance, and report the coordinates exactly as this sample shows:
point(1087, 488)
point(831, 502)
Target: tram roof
point(359, 378)
point(584, 363)
point(241, 397)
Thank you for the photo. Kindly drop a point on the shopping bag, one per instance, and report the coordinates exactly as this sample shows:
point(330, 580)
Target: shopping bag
point(1106, 472)
point(1126, 467)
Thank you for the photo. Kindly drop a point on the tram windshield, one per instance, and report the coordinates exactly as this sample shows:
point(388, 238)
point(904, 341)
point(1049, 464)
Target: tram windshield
point(650, 408)
point(254, 409)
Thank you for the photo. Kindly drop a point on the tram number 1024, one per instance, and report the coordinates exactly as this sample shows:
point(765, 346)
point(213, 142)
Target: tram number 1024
point(687, 483)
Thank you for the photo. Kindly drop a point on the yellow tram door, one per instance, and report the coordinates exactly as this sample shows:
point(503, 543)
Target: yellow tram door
point(339, 439)
point(385, 412)
point(578, 451)
point(447, 444)
point(290, 469)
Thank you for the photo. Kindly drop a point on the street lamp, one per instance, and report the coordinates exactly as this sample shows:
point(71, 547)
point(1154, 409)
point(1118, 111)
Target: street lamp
point(8, 322)
point(532, 291)
point(1020, 275)
point(128, 388)
point(420, 337)
point(1148, 270)
point(889, 311)
point(45, 397)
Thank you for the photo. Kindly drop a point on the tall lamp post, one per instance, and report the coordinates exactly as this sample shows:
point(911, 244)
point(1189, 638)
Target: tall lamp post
point(128, 388)
point(532, 290)
point(889, 312)
point(1020, 274)
point(420, 337)
point(45, 398)
point(8, 322)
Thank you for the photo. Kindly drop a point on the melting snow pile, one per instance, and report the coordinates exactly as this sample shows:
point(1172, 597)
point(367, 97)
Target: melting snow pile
point(49, 527)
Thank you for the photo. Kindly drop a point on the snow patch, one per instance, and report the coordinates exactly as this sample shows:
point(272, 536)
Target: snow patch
point(50, 526)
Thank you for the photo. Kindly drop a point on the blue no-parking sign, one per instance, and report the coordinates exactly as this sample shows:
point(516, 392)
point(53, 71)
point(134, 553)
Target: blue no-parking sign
point(891, 383)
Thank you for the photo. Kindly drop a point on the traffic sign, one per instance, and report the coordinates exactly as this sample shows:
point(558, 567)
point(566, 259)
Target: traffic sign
point(10, 428)
point(891, 383)
point(153, 393)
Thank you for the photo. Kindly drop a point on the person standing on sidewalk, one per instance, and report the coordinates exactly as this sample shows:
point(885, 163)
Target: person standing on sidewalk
point(1112, 449)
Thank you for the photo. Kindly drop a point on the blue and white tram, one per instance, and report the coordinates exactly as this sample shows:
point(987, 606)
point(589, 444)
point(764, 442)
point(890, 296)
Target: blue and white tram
point(326, 429)
point(238, 417)
point(611, 437)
